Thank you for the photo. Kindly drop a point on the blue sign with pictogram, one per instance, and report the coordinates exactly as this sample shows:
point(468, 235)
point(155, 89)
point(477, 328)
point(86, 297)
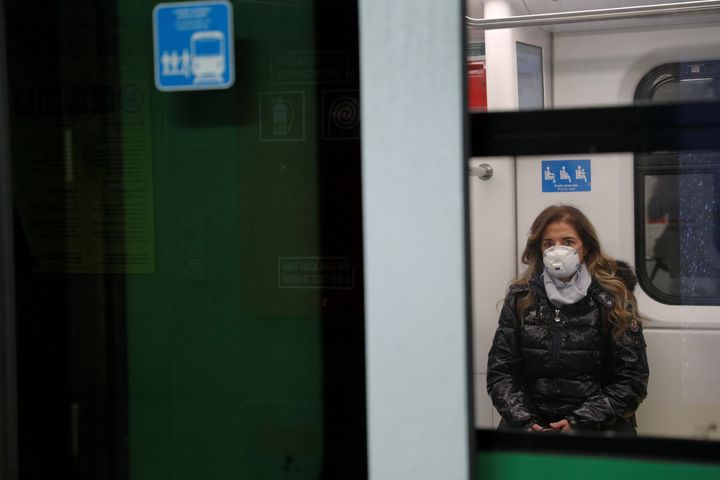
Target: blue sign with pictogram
point(566, 176)
point(193, 45)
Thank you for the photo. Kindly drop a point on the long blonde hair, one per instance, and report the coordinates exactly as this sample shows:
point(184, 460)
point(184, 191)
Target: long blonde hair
point(602, 267)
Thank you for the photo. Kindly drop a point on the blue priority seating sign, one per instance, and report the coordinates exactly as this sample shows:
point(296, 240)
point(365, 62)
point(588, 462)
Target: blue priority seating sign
point(193, 45)
point(566, 176)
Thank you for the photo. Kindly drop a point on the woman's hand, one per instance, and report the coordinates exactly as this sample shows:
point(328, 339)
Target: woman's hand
point(536, 428)
point(560, 426)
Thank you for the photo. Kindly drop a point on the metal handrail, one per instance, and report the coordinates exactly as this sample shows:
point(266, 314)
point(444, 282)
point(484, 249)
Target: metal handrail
point(617, 13)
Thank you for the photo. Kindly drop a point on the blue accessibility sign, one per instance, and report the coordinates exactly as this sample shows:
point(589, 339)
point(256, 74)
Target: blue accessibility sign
point(193, 45)
point(566, 176)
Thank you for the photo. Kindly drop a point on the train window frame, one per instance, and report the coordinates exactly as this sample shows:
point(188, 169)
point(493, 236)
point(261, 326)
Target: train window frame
point(667, 164)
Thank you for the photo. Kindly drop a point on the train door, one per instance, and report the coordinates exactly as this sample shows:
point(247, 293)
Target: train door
point(622, 192)
point(188, 260)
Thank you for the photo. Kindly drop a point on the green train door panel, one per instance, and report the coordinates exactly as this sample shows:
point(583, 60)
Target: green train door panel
point(194, 302)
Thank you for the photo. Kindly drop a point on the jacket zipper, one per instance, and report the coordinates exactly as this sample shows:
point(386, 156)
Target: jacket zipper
point(556, 342)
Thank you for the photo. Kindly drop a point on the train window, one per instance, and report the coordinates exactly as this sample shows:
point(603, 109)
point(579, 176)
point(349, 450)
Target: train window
point(630, 107)
point(678, 198)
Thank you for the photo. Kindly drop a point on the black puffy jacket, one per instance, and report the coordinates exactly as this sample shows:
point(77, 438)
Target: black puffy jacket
point(563, 363)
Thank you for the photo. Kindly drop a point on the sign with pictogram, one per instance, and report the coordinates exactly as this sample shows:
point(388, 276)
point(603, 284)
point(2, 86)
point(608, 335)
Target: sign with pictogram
point(281, 116)
point(566, 176)
point(193, 45)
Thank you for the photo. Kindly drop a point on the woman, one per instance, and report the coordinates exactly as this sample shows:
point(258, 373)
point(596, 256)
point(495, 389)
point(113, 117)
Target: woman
point(568, 353)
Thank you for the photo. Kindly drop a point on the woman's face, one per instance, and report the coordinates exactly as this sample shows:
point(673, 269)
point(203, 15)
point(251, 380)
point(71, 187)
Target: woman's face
point(561, 233)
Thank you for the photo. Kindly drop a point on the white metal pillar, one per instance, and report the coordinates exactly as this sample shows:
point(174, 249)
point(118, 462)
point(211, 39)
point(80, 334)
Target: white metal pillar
point(414, 202)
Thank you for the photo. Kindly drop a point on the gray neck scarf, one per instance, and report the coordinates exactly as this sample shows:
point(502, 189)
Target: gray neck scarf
point(570, 292)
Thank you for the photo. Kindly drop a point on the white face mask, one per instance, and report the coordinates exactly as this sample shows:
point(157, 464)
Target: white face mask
point(561, 261)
